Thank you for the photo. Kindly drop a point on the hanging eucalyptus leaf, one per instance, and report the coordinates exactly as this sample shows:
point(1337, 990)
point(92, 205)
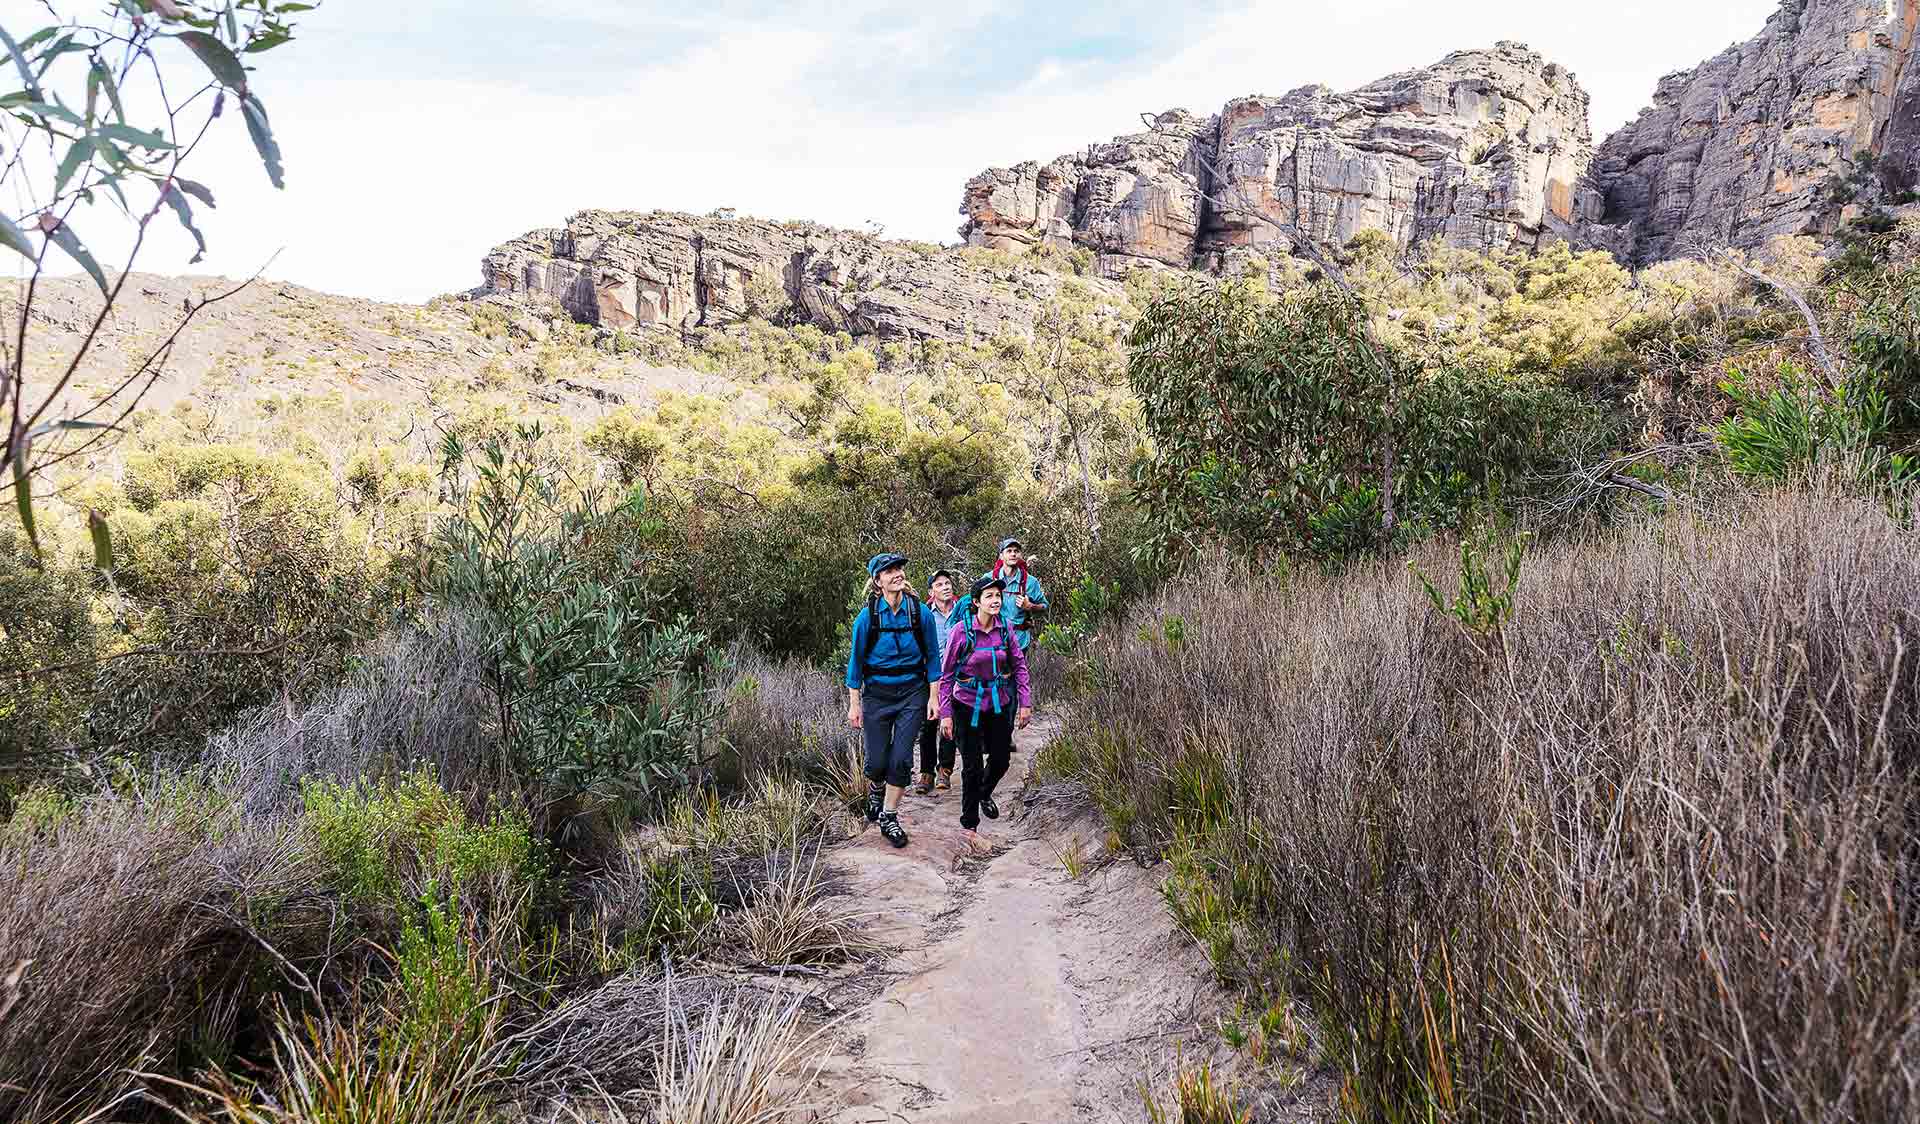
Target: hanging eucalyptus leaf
point(184, 212)
point(64, 237)
point(262, 133)
point(221, 61)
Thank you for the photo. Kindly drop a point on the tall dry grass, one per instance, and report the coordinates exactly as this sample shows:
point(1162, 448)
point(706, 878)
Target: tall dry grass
point(137, 928)
point(1642, 850)
point(416, 698)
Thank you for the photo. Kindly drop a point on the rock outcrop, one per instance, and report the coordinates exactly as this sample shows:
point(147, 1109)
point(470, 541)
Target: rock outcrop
point(1484, 149)
point(1753, 142)
point(628, 270)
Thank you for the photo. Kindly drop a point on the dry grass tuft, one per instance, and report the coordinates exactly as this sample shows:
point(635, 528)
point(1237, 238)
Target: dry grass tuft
point(1640, 847)
point(743, 1061)
point(138, 920)
point(619, 1039)
point(796, 918)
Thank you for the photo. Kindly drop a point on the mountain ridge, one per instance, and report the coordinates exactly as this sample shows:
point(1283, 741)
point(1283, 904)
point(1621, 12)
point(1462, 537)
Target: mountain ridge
point(1487, 149)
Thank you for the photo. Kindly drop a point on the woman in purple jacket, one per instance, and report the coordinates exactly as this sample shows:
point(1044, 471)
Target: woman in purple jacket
point(983, 681)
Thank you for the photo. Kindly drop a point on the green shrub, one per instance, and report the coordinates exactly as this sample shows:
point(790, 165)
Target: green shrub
point(388, 842)
point(1800, 430)
point(1272, 420)
point(595, 694)
point(47, 648)
point(438, 976)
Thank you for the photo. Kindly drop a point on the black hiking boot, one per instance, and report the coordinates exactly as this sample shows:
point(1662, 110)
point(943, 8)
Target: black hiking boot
point(890, 827)
point(988, 808)
point(874, 796)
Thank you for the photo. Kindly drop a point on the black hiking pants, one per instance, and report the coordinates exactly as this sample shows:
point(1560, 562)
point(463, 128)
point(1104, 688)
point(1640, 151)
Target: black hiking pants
point(890, 727)
point(936, 751)
point(985, 751)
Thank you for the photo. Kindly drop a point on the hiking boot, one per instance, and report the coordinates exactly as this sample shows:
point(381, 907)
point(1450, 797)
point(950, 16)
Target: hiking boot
point(925, 786)
point(890, 827)
point(946, 780)
point(988, 808)
point(875, 794)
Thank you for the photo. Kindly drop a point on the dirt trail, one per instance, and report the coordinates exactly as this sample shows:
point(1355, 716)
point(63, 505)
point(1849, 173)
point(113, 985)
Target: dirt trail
point(1018, 995)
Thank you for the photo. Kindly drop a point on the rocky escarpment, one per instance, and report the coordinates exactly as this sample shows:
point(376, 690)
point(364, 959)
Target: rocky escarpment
point(1485, 149)
point(1752, 143)
point(628, 270)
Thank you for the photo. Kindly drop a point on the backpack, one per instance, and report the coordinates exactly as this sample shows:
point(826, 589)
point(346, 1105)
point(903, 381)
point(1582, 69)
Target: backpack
point(874, 629)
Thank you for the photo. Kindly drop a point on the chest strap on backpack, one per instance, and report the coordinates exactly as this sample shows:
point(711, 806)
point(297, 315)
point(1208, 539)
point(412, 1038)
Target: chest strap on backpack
point(978, 687)
point(875, 627)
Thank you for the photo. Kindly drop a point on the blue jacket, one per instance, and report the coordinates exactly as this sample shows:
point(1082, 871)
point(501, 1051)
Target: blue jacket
point(895, 668)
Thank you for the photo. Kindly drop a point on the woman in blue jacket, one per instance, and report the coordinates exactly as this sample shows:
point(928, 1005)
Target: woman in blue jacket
point(891, 671)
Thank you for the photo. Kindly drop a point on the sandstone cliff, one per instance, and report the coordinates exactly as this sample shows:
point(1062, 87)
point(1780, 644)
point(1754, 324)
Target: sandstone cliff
point(1753, 142)
point(624, 270)
point(1484, 149)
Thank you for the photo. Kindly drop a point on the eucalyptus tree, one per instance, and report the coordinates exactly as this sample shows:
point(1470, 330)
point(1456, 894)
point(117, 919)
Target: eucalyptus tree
point(112, 104)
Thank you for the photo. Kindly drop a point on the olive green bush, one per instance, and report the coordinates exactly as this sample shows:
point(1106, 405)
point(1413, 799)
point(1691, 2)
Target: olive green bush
point(1285, 425)
point(594, 695)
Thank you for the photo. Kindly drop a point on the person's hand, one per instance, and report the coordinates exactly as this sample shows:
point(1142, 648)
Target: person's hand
point(853, 715)
point(933, 709)
point(1025, 716)
point(946, 727)
point(1020, 599)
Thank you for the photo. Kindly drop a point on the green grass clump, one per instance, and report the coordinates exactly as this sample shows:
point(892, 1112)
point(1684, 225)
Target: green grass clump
point(387, 841)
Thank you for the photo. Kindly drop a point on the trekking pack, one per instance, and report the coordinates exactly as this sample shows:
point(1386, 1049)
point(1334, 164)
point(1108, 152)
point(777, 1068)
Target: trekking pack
point(874, 629)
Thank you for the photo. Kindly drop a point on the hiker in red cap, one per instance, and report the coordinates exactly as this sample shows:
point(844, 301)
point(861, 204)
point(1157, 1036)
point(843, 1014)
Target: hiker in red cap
point(1024, 598)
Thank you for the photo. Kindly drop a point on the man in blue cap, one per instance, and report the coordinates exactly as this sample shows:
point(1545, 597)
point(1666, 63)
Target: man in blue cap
point(1024, 596)
point(891, 673)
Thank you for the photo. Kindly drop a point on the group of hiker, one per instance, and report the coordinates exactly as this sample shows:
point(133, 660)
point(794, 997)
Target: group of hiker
point(947, 675)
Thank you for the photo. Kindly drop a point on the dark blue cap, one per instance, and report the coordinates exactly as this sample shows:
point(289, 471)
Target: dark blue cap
point(880, 563)
point(986, 583)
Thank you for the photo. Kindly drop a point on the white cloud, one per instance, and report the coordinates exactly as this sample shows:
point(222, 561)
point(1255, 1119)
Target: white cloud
point(397, 185)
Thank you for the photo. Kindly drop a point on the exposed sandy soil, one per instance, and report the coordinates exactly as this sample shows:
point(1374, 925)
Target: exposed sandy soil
point(1017, 994)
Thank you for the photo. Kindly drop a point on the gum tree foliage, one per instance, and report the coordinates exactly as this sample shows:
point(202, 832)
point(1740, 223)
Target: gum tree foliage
point(99, 127)
point(594, 695)
point(1275, 422)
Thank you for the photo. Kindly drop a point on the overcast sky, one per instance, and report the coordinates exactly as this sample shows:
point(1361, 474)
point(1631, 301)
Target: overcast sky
point(419, 133)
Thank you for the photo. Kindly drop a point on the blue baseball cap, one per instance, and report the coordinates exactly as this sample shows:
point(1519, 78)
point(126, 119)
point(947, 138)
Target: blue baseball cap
point(1010, 541)
point(880, 563)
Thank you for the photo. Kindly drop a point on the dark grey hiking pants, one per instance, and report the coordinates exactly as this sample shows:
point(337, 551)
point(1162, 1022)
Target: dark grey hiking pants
point(892, 729)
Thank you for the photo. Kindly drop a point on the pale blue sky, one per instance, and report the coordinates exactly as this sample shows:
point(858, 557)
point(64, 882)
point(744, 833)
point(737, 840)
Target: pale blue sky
point(418, 133)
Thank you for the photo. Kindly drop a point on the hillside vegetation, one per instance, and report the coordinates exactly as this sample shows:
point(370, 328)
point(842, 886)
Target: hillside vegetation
point(405, 735)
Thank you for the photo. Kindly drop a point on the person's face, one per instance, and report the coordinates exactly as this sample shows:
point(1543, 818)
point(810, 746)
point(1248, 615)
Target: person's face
point(893, 580)
point(1013, 555)
point(990, 602)
point(942, 588)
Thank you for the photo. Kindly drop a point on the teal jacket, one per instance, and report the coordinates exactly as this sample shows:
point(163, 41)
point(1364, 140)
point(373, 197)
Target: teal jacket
point(1010, 610)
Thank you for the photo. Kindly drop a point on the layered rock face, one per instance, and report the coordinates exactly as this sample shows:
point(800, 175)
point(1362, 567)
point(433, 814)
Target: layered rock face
point(627, 270)
point(1748, 144)
point(1485, 149)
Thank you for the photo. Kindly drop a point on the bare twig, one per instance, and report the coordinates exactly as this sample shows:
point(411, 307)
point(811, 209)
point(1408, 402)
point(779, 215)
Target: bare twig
point(1819, 342)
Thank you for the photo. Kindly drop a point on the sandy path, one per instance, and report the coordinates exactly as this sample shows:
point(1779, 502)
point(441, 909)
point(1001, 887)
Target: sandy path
point(1019, 995)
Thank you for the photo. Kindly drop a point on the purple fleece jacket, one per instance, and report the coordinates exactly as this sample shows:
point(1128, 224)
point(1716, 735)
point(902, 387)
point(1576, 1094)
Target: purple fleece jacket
point(992, 647)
